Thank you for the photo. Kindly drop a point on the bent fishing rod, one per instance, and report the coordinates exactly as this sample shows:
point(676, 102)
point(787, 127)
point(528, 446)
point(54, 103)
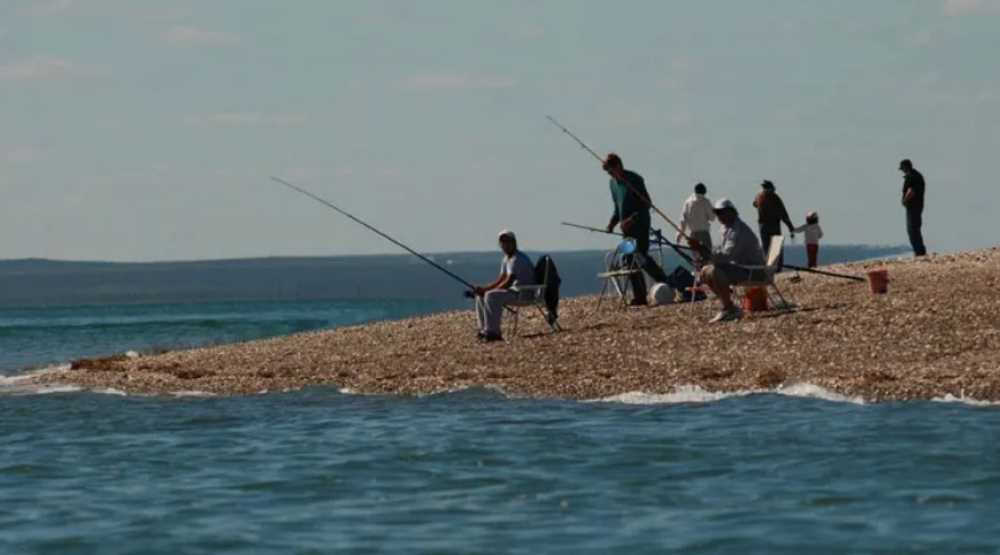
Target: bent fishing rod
point(329, 204)
point(657, 240)
point(643, 198)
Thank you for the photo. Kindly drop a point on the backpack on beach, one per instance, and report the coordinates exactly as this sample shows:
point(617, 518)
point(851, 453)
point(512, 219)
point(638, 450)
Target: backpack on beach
point(544, 266)
point(681, 280)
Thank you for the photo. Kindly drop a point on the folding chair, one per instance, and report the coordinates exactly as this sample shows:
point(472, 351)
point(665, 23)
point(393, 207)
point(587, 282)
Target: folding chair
point(764, 276)
point(619, 271)
point(533, 296)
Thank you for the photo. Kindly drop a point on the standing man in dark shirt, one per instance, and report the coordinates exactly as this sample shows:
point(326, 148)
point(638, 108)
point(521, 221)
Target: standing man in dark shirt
point(631, 212)
point(771, 213)
point(913, 201)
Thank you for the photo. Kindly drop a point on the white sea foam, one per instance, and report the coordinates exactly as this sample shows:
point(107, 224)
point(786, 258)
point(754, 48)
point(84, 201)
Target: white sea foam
point(696, 394)
point(816, 392)
point(21, 384)
point(682, 394)
point(53, 388)
point(949, 398)
point(110, 391)
point(192, 393)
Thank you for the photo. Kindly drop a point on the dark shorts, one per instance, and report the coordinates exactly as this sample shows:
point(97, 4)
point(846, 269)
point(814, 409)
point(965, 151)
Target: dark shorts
point(736, 275)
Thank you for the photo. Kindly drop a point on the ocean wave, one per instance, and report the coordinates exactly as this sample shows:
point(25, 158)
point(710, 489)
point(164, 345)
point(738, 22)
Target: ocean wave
point(696, 394)
point(962, 399)
point(680, 394)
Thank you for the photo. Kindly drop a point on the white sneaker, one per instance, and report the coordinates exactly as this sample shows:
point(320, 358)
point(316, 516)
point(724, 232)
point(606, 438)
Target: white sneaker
point(727, 316)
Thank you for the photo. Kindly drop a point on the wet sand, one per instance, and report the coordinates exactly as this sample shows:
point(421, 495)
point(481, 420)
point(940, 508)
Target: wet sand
point(936, 333)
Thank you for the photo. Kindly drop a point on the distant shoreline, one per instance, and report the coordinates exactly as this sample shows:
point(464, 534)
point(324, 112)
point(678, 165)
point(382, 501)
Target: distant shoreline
point(936, 333)
point(41, 283)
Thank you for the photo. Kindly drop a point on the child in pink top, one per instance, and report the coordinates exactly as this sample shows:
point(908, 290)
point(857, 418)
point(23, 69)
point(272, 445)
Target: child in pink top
point(813, 234)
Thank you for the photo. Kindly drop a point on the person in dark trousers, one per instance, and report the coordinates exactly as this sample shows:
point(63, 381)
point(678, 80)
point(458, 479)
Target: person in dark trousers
point(631, 213)
point(913, 201)
point(771, 213)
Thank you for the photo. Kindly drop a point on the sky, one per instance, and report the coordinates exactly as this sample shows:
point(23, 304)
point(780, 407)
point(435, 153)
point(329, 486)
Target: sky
point(136, 131)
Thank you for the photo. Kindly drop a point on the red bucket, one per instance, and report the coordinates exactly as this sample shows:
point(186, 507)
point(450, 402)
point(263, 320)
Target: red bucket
point(878, 280)
point(755, 299)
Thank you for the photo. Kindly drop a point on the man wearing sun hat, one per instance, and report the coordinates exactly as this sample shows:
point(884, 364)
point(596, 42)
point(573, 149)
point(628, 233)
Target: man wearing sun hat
point(515, 270)
point(739, 247)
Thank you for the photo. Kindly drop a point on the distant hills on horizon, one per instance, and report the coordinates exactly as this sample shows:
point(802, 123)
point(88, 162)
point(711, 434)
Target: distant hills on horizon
point(35, 282)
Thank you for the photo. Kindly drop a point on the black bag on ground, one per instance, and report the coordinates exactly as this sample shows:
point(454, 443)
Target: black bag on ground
point(681, 279)
point(552, 286)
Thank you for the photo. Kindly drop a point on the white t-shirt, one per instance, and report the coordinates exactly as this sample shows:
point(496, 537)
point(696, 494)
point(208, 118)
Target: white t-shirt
point(813, 233)
point(519, 266)
point(697, 213)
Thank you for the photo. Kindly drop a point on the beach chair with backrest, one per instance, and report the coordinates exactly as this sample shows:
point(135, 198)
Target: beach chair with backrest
point(619, 271)
point(543, 296)
point(764, 276)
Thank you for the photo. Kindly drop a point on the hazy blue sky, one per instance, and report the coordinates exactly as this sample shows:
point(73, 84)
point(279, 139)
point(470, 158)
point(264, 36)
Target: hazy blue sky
point(143, 130)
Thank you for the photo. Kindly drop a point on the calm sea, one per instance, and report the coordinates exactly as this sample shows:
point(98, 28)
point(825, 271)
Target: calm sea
point(798, 470)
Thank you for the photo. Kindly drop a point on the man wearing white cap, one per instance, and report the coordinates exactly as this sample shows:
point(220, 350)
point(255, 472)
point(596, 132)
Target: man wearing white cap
point(515, 270)
point(739, 247)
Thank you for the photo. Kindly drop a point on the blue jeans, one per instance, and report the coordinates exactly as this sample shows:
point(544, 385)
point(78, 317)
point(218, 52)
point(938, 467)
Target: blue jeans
point(914, 221)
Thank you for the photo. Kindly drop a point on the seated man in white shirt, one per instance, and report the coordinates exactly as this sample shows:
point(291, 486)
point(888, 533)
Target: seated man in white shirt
point(515, 269)
point(739, 248)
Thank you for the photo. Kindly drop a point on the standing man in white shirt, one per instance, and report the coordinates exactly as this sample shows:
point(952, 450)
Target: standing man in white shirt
point(697, 217)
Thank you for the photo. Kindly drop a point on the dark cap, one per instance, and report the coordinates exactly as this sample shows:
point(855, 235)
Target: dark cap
point(905, 164)
point(767, 185)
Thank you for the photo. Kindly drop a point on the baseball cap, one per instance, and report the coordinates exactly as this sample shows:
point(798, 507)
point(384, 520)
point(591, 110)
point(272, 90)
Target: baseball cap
point(506, 233)
point(724, 204)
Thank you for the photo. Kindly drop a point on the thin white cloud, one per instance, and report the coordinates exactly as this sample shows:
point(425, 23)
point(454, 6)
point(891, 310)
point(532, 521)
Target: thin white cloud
point(187, 35)
point(38, 68)
point(957, 8)
point(434, 81)
point(245, 119)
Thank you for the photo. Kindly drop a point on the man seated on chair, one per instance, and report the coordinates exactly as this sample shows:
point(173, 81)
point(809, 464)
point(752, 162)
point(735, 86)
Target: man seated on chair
point(739, 247)
point(515, 269)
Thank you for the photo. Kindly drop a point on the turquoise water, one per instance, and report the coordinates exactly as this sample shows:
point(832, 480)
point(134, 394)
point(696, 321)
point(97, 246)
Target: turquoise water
point(473, 472)
point(40, 336)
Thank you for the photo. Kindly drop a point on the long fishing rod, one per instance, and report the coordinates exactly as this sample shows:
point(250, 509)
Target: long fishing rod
point(658, 240)
point(823, 273)
point(329, 204)
point(631, 187)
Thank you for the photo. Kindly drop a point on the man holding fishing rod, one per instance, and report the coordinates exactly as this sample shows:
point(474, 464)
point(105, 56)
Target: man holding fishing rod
point(515, 270)
point(631, 213)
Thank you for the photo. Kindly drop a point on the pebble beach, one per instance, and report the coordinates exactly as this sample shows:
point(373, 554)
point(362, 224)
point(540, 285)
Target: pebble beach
point(936, 333)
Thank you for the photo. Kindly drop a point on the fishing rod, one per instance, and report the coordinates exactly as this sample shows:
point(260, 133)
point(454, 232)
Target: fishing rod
point(823, 273)
point(329, 204)
point(631, 187)
point(657, 240)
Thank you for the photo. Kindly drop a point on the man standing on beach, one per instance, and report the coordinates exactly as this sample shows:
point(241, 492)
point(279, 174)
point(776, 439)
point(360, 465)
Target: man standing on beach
point(739, 248)
point(771, 213)
point(515, 269)
point(696, 217)
point(913, 201)
point(631, 213)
